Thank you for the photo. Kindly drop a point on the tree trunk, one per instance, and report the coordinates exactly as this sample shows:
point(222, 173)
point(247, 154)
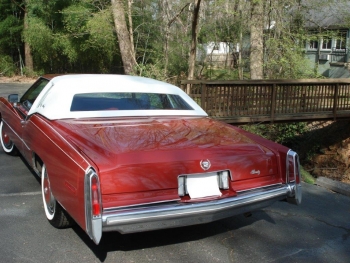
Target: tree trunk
point(167, 24)
point(256, 40)
point(131, 33)
point(125, 44)
point(28, 58)
point(192, 58)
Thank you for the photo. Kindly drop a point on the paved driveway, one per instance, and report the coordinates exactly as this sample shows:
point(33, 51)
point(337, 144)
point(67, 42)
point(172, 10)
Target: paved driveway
point(316, 231)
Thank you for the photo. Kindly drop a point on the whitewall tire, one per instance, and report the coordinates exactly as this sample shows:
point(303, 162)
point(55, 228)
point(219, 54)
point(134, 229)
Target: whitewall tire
point(55, 214)
point(6, 143)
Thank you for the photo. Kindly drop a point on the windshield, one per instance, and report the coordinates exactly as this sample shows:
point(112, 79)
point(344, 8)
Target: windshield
point(127, 101)
point(33, 92)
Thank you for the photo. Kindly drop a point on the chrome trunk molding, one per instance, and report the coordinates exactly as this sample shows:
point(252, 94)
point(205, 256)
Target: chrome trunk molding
point(111, 209)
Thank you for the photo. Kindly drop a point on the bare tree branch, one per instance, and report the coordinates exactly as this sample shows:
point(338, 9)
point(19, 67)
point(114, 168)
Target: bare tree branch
point(177, 15)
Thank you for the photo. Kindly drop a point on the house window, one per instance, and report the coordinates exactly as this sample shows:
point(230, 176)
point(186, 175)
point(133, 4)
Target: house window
point(326, 43)
point(313, 44)
point(340, 41)
point(216, 46)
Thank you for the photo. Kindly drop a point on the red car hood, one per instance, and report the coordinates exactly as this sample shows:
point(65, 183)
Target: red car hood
point(150, 153)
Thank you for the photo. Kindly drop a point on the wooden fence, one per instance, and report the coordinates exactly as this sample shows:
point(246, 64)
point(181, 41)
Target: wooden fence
point(272, 100)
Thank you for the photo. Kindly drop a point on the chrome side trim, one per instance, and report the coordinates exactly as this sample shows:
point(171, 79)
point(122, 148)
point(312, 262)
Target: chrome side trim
point(176, 214)
point(52, 142)
point(84, 169)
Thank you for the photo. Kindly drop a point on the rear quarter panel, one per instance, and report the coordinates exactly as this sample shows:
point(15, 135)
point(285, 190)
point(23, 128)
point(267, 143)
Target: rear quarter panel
point(279, 150)
point(65, 165)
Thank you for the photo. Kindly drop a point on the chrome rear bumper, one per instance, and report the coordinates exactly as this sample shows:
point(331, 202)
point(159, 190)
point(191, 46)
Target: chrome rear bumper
point(175, 214)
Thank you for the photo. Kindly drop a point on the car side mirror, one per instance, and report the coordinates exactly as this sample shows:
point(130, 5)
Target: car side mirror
point(13, 98)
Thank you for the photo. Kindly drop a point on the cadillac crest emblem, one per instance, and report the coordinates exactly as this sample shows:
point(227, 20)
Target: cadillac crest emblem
point(205, 164)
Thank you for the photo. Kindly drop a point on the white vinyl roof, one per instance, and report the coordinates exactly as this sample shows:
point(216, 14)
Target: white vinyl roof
point(54, 102)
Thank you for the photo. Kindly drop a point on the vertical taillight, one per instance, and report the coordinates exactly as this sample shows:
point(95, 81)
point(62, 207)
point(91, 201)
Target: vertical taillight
point(95, 196)
point(297, 170)
point(93, 205)
point(293, 167)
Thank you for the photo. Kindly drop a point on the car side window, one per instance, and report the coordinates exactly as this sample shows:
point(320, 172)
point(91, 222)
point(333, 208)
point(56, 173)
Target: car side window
point(33, 92)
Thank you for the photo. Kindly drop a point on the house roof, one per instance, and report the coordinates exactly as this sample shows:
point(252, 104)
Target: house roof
point(331, 14)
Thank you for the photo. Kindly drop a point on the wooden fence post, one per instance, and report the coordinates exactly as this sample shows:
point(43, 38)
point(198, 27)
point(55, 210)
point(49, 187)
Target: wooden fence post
point(273, 102)
point(203, 96)
point(335, 102)
point(188, 88)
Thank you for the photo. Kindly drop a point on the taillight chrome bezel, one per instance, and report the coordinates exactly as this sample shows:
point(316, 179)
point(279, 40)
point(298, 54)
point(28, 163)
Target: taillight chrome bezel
point(294, 179)
point(294, 158)
point(93, 205)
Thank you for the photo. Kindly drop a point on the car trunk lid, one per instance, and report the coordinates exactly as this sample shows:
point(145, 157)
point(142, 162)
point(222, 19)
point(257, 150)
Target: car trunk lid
point(149, 154)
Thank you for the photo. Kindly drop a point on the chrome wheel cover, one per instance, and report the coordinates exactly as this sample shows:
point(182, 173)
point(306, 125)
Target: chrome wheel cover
point(6, 143)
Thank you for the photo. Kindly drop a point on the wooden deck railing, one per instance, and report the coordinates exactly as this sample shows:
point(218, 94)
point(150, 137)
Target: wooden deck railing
point(272, 100)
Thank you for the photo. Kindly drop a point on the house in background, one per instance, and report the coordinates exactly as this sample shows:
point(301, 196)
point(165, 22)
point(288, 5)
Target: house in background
point(331, 53)
point(217, 54)
point(328, 47)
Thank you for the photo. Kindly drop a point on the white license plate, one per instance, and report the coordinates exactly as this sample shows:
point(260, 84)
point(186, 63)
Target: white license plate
point(203, 185)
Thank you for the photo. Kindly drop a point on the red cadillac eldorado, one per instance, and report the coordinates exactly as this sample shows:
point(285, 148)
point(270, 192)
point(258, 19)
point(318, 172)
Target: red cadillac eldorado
point(131, 154)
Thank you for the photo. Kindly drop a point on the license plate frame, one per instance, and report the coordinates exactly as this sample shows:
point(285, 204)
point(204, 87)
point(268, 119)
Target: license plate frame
point(203, 185)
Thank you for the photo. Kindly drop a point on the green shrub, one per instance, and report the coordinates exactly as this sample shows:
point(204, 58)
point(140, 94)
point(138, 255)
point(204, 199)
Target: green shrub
point(32, 74)
point(284, 133)
point(306, 176)
point(154, 71)
point(7, 67)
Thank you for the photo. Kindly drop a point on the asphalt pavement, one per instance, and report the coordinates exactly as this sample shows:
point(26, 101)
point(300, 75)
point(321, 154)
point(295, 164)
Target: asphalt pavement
point(316, 231)
point(13, 88)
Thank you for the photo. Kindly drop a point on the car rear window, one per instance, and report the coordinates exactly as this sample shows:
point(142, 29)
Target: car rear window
point(127, 101)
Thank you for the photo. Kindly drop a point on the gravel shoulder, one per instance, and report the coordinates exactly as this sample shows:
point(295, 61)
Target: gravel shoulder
point(17, 79)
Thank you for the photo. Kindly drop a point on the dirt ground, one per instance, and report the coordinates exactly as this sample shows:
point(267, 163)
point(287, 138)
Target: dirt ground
point(17, 79)
point(325, 149)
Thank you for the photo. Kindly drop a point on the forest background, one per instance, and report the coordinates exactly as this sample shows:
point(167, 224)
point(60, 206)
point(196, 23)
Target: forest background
point(160, 38)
